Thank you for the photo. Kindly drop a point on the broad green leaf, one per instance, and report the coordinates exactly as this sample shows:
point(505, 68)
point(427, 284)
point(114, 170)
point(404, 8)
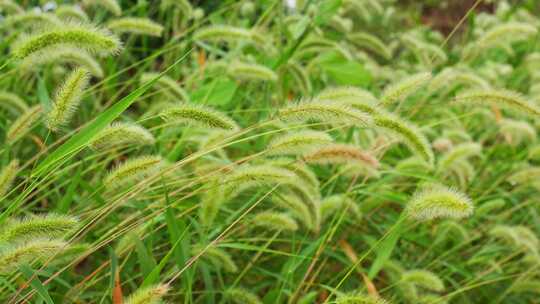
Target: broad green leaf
point(218, 92)
point(344, 71)
point(326, 10)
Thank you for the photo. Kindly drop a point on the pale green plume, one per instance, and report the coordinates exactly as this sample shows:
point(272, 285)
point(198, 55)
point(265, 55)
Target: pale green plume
point(67, 99)
point(22, 125)
point(438, 201)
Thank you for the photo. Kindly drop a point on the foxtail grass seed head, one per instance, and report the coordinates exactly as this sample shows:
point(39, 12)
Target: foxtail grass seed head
point(148, 295)
point(22, 125)
point(298, 143)
point(438, 201)
point(67, 100)
point(424, 278)
point(337, 203)
point(332, 112)
point(298, 208)
point(249, 176)
point(218, 257)
point(82, 36)
point(504, 98)
point(132, 25)
point(251, 72)
point(240, 295)
point(48, 226)
point(372, 43)
point(200, 116)
point(133, 170)
point(457, 154)
point(341, 154)
point(7, 176)
point(408, 133)
point(275, 221)
point(403, 88)
point(505, 33)
point(10, 7)
point(122, 133)
point(28, 20)
point(109, 5)
point(528, 175)
point(71, 12)
point(38, 249)
point(359, 298)
point(12, 102)
point(60, 55)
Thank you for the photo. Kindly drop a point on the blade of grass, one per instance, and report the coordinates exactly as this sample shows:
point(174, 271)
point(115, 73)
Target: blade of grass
point(83, 137)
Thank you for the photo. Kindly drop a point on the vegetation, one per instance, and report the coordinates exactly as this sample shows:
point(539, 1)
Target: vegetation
point(308, 151)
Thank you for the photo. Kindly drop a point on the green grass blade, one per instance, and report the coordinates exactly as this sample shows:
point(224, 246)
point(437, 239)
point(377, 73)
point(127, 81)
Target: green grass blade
point(36, 284)
point(83, 137)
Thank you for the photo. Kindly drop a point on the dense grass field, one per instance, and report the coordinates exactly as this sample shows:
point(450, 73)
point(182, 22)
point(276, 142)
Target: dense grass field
point(269, 151)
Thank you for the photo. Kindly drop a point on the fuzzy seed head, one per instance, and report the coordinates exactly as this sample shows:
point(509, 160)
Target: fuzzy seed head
point(50, 226)
point(199, 115)
point(67, 100)
point(148, 295)
point(298, 143)
point(249, 176)
point(168, 85)
point(251, 72)
point(22, 125)
point(71, 12)
point(218, 257)
point(404, 88)
point(359, 298)
point(86, 37)
point(109, 5)
point(7, 176)
point(62, 54)
point(134, 25)
point(122, 133)
point(133, 170)
point(323, 110)
point(408, 133)
point(505, 98)
point(437, 201)
point(458, 153)
point(38, 249)
point(12, 102)
point(423, 278)
point(341, 154)
point(275, 221)
point(242, 296)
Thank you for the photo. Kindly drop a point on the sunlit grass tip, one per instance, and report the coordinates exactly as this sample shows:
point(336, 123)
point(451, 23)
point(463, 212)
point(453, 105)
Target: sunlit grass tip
point(297, 143)
point(135, 25)
point(7, 176)
point(198, 115)
point(148, 295)
point(438, 201)
point(275, 221)
point(67, 99)
point(22, 125)
point(82, 36)
point(122, 133)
